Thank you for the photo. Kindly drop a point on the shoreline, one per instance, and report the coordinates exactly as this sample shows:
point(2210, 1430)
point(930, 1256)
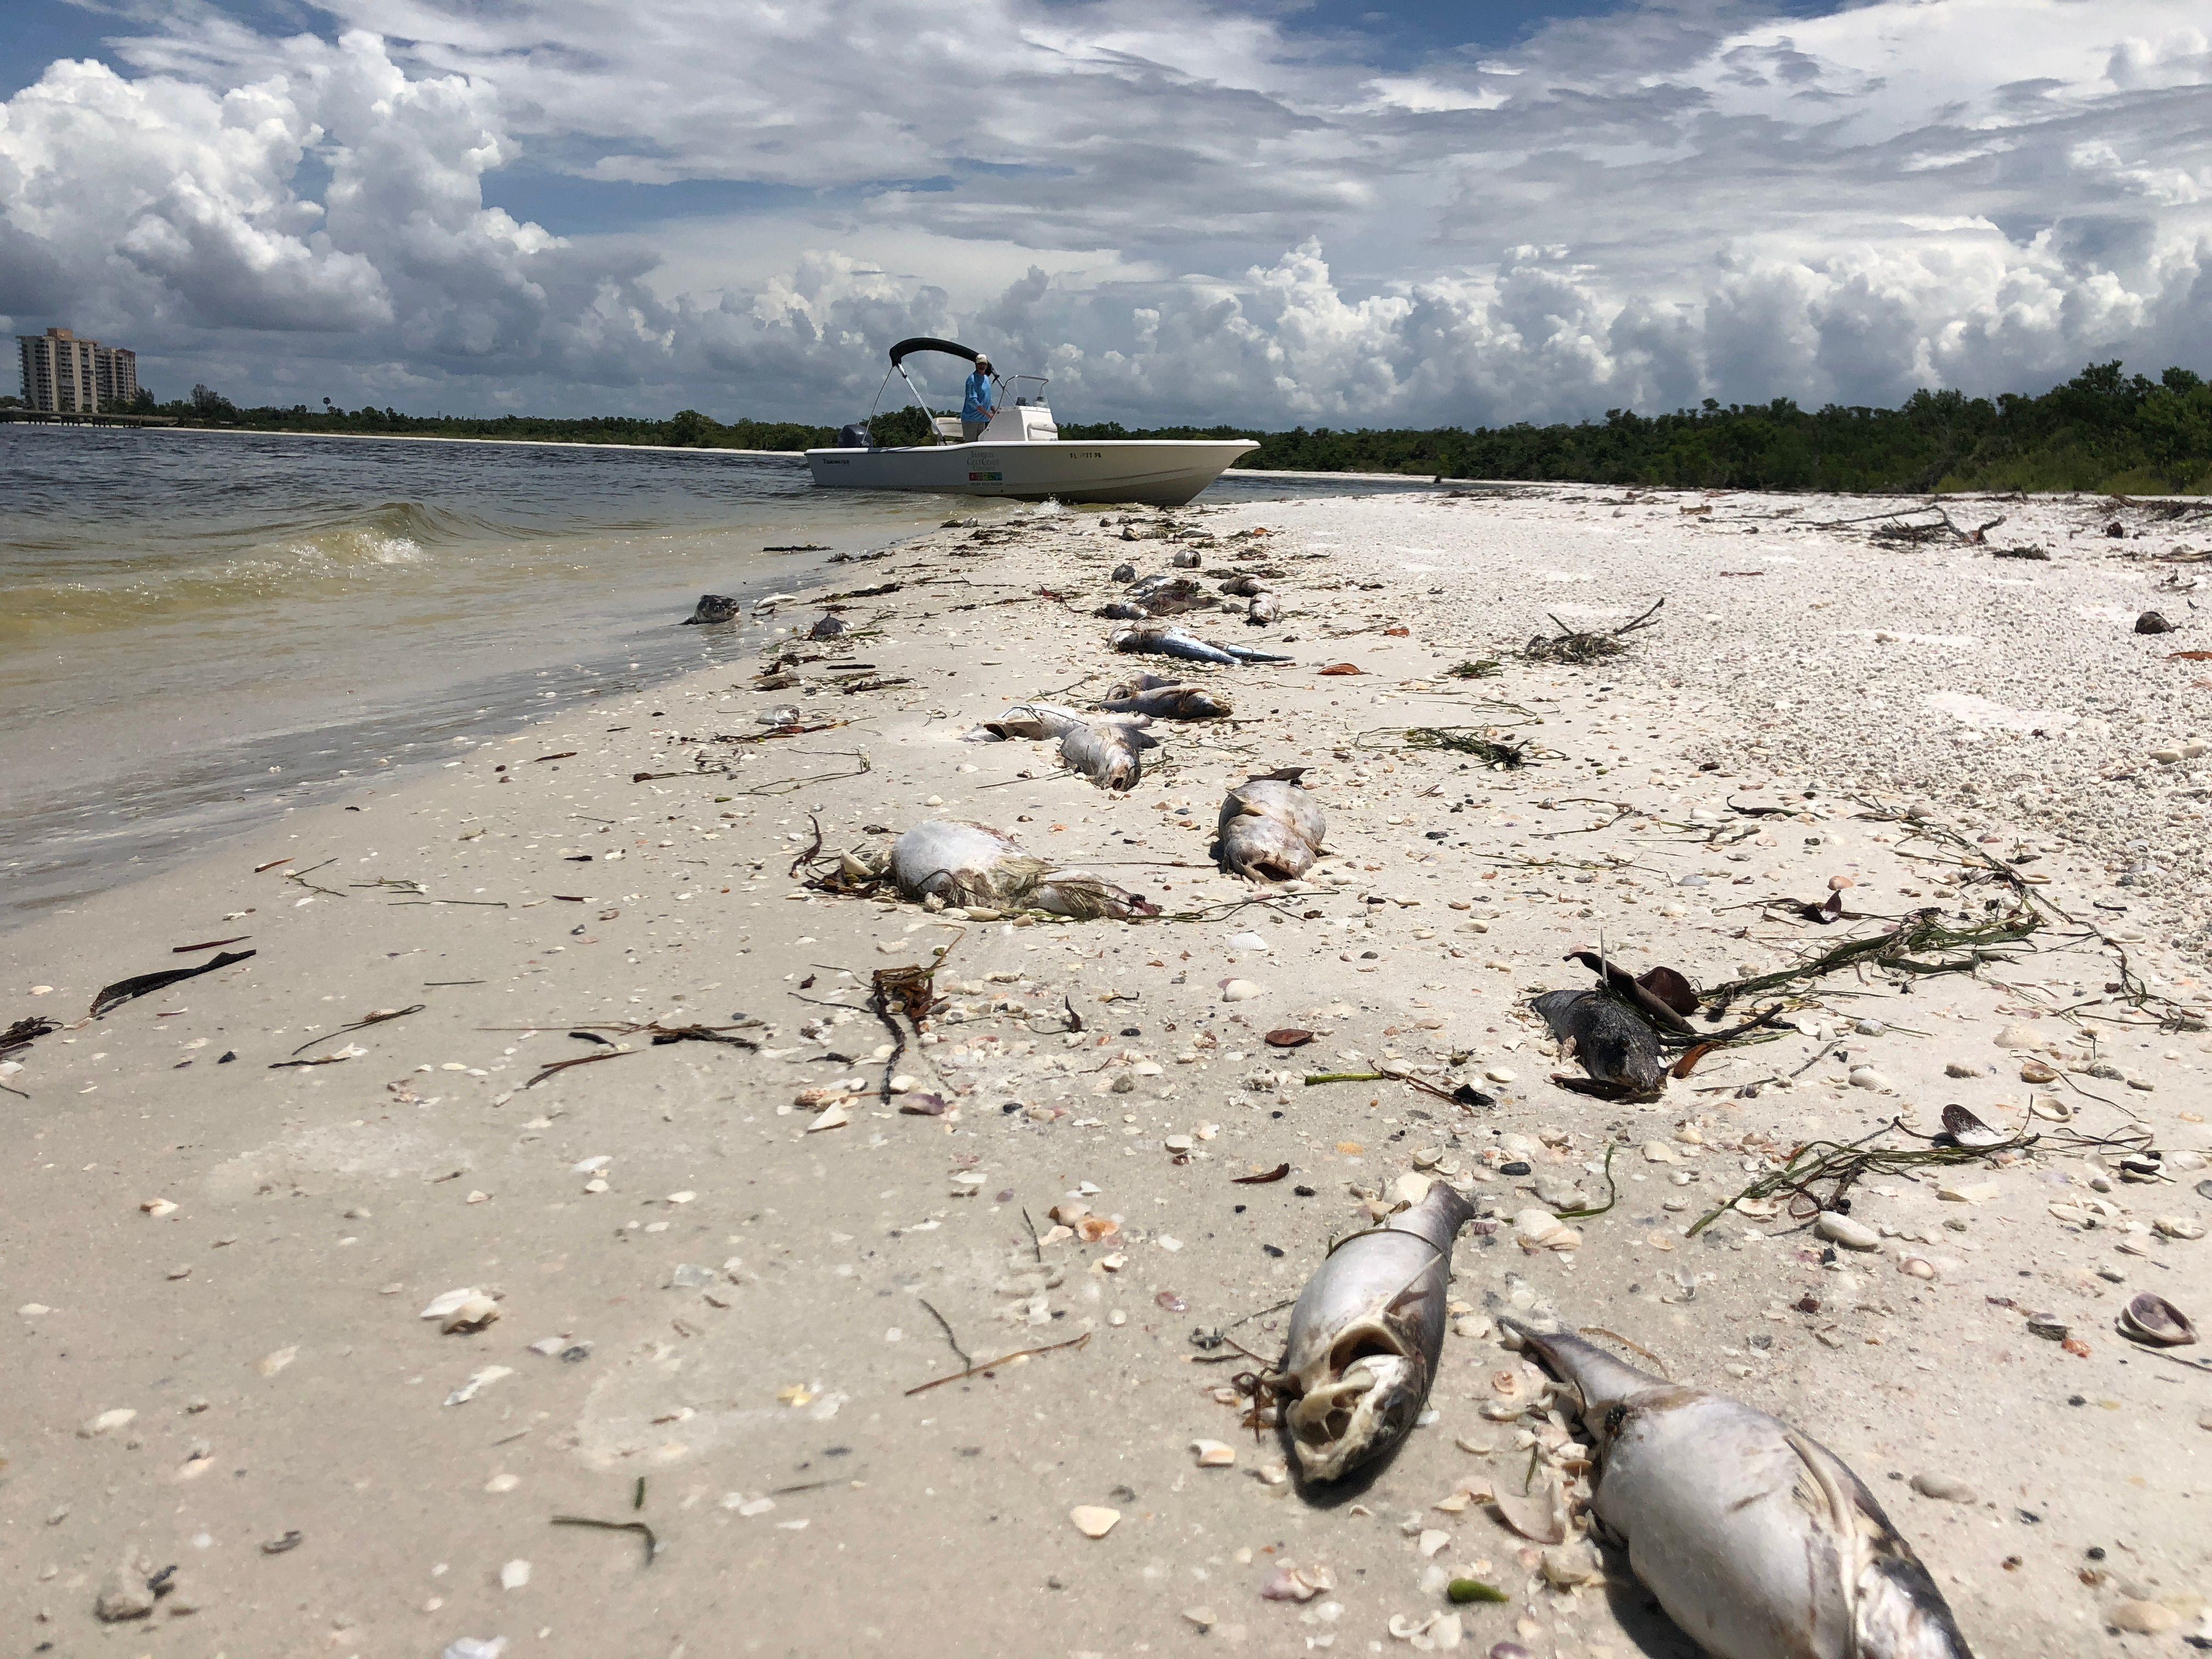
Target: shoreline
point(237, 1250)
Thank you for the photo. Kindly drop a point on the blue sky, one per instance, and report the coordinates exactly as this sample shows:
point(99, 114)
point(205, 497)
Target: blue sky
point(1336, 212)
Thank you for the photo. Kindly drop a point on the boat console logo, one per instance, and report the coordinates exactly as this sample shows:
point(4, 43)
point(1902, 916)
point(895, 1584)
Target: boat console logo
point(987, 477)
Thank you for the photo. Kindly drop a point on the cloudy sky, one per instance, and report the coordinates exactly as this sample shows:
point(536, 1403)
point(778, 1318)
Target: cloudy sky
point(1315, 211)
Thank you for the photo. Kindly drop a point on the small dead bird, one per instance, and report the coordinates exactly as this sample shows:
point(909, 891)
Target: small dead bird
point(1759, 1541)
point(1365, 1337)
point(1618, 1050)
point(1269, 830)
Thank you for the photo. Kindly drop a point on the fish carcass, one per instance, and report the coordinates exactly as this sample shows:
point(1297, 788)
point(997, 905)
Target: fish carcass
point(1615, 1045)
point(1759, 1541)
point(1107, 752)
point(1269, 830)
point(977, 867)
point(1164, 699)
point(1164, 640)
point(1365, 1337)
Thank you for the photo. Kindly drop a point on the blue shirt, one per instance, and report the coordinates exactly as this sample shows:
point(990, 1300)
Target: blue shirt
point(976, 406)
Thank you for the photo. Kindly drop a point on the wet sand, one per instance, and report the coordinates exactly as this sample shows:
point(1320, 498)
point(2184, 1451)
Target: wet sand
point(734, 1302)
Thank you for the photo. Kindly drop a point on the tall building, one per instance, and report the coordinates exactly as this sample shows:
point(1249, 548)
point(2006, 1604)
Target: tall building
point(65, 375)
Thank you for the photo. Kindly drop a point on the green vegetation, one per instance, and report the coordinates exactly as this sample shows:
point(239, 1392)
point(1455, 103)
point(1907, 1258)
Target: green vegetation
point(2102, 430)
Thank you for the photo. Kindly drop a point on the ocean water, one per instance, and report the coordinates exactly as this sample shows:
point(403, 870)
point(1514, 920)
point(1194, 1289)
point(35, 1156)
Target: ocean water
point(201, 629)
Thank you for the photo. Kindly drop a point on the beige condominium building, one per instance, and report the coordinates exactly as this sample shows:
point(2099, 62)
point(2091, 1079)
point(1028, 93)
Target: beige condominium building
point(66, 376)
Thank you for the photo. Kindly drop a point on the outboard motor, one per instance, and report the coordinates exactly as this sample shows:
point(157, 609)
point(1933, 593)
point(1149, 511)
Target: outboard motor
point(855, 436)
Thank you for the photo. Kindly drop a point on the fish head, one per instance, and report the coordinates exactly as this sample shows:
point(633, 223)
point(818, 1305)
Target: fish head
point(1357, 1400)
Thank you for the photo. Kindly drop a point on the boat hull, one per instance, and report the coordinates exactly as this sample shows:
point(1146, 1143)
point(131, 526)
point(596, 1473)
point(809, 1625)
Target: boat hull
point(1159, 471)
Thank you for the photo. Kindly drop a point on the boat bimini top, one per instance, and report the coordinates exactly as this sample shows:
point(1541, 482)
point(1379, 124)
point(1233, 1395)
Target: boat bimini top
point(1033, 423)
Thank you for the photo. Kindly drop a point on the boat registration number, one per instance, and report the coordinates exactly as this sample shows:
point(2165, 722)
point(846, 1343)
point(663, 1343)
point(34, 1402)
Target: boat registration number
point(987, 477)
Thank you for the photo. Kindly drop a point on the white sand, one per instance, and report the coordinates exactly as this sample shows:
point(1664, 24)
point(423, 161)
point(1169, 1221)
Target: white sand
point(266, 1333)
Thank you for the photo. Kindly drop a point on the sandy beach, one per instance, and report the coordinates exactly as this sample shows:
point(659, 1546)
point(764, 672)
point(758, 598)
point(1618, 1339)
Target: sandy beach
point(712, 1279)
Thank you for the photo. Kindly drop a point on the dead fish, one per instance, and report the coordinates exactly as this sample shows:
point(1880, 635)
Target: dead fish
point(1122, 610)
point(1124, 572)
point(1242, 587)
point(1169, 702)
point(1615, 1047)
point(713, 608)
point(1262, 611)
point(972, 865)
point(1163, 639)
point(1759, 1541)
point(1185, 558)
point(828, 628)
point(1106, 754)
point(1366, 1334)
point(1269, 830)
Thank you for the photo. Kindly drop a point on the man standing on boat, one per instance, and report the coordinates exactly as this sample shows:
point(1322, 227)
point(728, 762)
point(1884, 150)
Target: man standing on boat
point(975, 406)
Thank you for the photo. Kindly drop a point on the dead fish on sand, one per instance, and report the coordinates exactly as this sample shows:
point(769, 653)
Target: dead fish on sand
point(1269, 830)
point(827, 628)
point(1122, 610)
point(1109, 752)
point(977, 867)
point(1163, 639)
point(1757, 1540)
point(1166, 595)
point(1365, 1337)
point(1262, 611)
point(1166, 699)
point(1124, 572)
point(1619, 1049)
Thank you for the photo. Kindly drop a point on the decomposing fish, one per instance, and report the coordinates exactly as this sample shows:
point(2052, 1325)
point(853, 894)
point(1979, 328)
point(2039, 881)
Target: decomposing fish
point(1242, 587)
point(1263, 610)
point(1616, 1048)
point(977, 867)
point(828, 627)
point(1759, 1541)
point(1122, 610)
point(1269, 830)
point(1185, 558)
point(1124, 572)
point(1661, 994)
point(1365, 1337)
point(1166, 699)
point(1106, 753)
point(1166, 595)
point(714, 608)
point(1163, 639)
point(1033, 721)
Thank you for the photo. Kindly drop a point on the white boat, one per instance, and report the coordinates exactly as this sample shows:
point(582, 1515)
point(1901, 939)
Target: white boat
point(1020, 453)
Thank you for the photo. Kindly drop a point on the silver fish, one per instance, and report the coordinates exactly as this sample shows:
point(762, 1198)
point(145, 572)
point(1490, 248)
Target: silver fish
point(1263, 610)
point(1615, 1047)
point(1163, 639)
point(1168, 702)
point(1185, 558)
point(1242, 587)
point(1106, 754)
point(1122, 610)
point(1262, 800)
point(1758, 1540)
point(1365, 1337)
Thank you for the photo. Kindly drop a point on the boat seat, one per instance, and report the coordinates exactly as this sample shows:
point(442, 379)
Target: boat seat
point(948, 426)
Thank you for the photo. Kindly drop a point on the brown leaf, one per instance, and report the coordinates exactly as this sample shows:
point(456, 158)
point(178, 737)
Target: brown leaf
point(1344, 668)
point(2182, 656)
point(1275, 1174)
point(1670, 987)
point(1688, 1063)
point(1289, 1037)
point(1398, 633)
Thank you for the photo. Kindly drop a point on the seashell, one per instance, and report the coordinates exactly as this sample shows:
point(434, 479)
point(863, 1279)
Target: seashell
point(1292, 1583)
point(1963, 1126)
point(1238, 990)
point(472, 1315)
point(1537, 1516)
point(2017, 1037)
point(2050, 1327)
point(2143, 1618)
point(1944, 1489)
point(2145, 1165)
point(1571, 1564)
point(1839, 1228)
point(1093, 1520)
point(2151, 1319)
point(1918, 1266)
point(2177, 1226)
point(1213, 1454)
point(1866, 1077)
point(2035, 1071)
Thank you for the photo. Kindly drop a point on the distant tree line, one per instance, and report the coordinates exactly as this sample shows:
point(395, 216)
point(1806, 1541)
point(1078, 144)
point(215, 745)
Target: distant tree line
point(2102, 430)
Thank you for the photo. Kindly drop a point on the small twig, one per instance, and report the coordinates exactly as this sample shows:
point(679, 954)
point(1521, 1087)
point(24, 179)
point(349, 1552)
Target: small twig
point(377, 1018)
point(652, 1543)
point(989, 1367)
point(1036, 1243)
point(946, 1325)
